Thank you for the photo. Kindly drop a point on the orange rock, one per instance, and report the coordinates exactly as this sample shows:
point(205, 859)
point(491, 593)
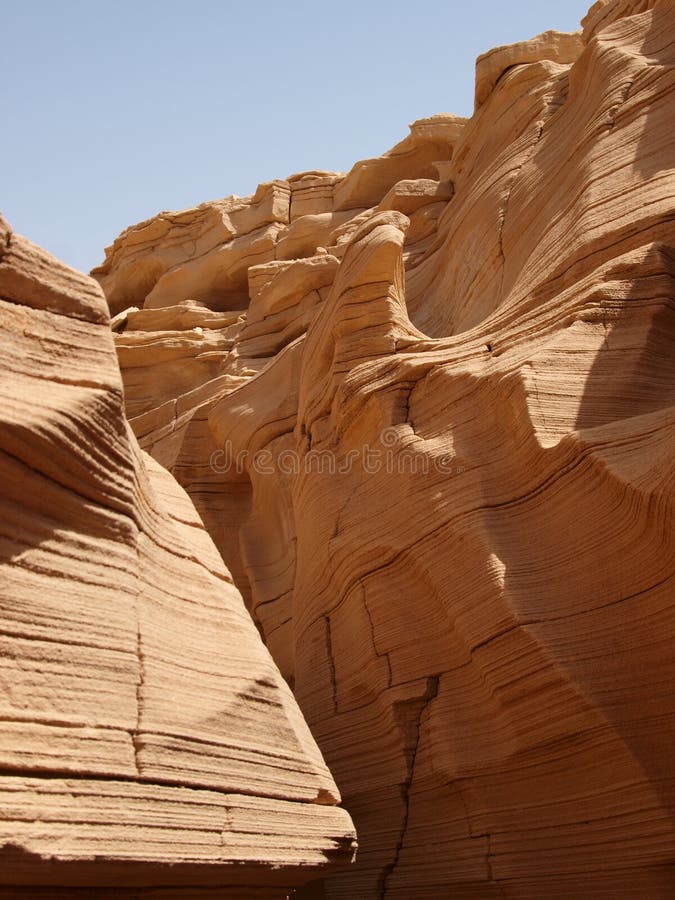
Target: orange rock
point(436, 455)
point(146, 736)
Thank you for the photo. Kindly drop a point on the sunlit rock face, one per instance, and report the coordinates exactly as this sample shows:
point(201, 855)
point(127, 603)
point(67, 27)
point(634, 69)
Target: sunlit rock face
point(426, 412)
point(147, 738)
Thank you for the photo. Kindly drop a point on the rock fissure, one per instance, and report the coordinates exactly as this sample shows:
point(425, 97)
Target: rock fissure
point(409, 714)
point(331, 662)
point(136, 731)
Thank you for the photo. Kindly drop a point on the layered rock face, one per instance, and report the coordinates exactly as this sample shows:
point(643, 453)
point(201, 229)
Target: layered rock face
point(146, 736)
point(426, 411)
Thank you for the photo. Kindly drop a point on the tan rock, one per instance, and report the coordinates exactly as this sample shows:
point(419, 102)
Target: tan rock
point(312, 193)
point(438, 461)
point(218, 279)
point(146, 736)
point(144, 253)
point(429, 140)
point(605, 12)
point(555, 46)
point(308, 232)
point(410, 196)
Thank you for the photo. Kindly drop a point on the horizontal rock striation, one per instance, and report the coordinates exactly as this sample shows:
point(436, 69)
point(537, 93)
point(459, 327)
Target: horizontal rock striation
point(426, 411)
point(146, 736)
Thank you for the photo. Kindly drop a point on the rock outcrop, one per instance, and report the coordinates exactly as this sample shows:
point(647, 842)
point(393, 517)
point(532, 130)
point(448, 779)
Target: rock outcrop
point(146, 736)
point(426, 412)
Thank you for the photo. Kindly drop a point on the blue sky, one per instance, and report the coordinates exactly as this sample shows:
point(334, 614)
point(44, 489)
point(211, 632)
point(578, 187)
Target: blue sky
point(115, 111)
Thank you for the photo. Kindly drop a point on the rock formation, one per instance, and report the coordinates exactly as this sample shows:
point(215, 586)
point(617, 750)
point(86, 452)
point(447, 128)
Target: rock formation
point(426, 412)
point(146, 736)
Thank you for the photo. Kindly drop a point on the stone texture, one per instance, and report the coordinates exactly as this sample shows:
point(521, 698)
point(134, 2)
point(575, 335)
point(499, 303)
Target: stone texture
point(146, 735)
point(435, 452)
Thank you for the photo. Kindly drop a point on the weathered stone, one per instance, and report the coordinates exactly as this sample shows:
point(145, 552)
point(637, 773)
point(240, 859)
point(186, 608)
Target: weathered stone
point(434, 447)
point(454, 489)
point(146, 736)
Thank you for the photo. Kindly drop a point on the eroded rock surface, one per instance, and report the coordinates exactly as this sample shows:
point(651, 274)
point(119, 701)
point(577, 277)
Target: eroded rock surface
point(426, 411)
point(146, 735)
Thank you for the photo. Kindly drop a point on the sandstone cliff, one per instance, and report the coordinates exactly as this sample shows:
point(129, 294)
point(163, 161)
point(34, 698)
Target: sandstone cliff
point(426, 412)
point(146, 735)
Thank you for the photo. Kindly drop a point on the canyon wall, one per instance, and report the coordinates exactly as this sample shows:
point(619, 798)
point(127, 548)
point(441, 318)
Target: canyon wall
point(425, 410)
point(147, 738)
point(426, 413)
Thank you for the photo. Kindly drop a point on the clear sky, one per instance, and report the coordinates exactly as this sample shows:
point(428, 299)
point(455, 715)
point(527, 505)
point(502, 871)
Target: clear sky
point(113, 111)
